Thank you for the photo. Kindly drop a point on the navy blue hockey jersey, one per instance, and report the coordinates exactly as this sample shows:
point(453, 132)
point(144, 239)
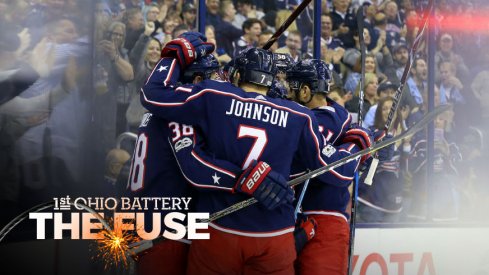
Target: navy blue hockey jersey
point(330, 199)
point(242, 126)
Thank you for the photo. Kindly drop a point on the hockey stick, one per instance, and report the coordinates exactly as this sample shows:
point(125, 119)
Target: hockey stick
point(146, 244)
point(354, 195)
point(399, 91)
point(301, 197)
point(286, 24)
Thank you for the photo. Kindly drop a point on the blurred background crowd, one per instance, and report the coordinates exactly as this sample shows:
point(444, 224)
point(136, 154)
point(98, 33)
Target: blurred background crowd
point(71, 72)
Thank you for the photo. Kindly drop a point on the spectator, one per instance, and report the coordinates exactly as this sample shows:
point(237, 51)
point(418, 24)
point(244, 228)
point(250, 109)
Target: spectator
point(263, 39)
point(213, 17)
point(189, 14)
point(326, 37)
point(179, 30)
point(450, 86)
point(251, 30)
point(353, 77)
point(152, 15)
point(226, 33)
point(113, 104)
point(394, 74)
point(445, 179)
point(344, 22)
point(338, 95)
point(219, 53)
point(147, 50)
point(446, 53)
point(395, 27)
point(419, 72)
point(382, 54)
point(134, 22)
point(246, 9)
point(292, 46)
point(382, 201)
point(386, 89)
point(370, 95)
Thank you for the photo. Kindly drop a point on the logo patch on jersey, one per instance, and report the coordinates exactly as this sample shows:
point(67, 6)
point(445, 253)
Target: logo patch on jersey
point(184, 142)
point(328, 150)
point(145, 120)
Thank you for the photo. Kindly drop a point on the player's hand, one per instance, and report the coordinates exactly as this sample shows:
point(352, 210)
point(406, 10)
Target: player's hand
point(361, 137)
point(305, 230)
point(267, 186)
point(187, 48)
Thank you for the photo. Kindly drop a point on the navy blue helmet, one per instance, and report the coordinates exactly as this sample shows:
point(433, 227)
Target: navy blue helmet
point(282, 62)
point(314, 72)
point(204, 67)
point(278, 90)
point(255, 66)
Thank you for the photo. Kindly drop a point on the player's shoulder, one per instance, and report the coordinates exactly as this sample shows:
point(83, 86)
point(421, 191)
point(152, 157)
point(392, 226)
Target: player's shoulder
point(150, 121)
point(333, 109)
point(216, 87)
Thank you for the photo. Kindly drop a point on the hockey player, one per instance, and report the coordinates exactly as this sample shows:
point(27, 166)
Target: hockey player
point(327, 253)
point(242, 125)
point(154, 171)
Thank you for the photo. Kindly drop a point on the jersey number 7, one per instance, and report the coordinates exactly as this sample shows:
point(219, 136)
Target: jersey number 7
point(261, 140)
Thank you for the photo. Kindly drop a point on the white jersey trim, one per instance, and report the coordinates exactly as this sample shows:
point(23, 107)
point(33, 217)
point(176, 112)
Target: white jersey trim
point(252, 234)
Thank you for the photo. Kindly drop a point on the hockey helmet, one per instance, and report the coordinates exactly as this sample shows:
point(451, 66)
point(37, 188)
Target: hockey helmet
point(314, 72)
point(204, 67)
point(278, 90)
point(255, 66)
point(282, 62)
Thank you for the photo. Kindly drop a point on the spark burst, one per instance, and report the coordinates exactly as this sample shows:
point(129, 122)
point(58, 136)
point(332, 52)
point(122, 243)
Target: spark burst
point(113, 246)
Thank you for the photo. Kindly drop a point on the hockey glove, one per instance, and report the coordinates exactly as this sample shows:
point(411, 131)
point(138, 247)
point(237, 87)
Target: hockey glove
point(305, 230)
point(267, 186)
point(360, 137)
point(187, 48)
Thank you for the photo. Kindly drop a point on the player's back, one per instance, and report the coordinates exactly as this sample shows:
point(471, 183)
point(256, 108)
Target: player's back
point(241, 126)
point(154, 170)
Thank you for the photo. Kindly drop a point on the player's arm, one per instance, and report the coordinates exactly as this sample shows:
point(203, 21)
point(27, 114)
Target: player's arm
point(206, 172)
point(160, 94)
point(315, 153)
point(199, 166)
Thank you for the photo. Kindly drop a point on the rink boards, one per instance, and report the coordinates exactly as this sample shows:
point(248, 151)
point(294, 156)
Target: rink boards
point(425, 250)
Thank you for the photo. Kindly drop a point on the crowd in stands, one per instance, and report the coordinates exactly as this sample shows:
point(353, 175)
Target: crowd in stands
point(71, 79)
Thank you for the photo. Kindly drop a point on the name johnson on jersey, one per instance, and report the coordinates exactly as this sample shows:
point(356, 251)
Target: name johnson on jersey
point(256, 111)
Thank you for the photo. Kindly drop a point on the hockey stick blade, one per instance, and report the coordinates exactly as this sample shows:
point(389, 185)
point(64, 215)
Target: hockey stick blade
point(286, 24)
point(146, 244)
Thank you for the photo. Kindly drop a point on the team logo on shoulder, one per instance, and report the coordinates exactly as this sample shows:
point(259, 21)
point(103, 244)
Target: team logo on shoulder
point(184, 142)
point(145, 120)
point(328, 150)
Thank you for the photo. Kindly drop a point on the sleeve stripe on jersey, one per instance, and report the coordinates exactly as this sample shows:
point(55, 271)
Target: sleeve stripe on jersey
point(182, 89)
point(172, 67)
point(196, 184)
point(154, 69)
point(224, 171)
point(347, 121)
point(202, 92)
